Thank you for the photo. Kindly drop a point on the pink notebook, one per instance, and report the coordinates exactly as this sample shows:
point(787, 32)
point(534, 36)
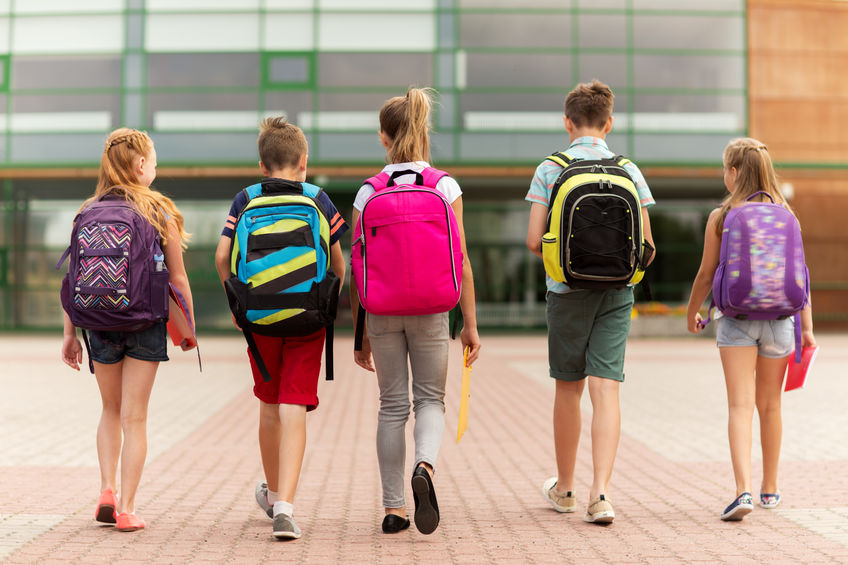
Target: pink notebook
point(796, 373)
point(179, 322)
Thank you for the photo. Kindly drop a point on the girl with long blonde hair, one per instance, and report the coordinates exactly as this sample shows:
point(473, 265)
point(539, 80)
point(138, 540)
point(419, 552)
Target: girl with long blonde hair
point(125, 363)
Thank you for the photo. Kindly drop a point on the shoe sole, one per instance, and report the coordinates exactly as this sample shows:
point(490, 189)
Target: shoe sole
point(286, 535)
point(106, 514)
point(600, 518)
point(737, 514)
point(426, 517)
point(131, 529)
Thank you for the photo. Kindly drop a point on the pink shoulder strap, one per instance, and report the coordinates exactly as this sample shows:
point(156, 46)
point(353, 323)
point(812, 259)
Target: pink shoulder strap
point(379, 182)
point(432, 176)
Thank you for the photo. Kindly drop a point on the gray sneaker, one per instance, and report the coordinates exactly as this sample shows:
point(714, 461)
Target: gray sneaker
point(285, 528)
point(261, 493)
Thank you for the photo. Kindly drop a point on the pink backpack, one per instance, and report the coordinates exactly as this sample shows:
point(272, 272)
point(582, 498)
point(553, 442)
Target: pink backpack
point(406, 254)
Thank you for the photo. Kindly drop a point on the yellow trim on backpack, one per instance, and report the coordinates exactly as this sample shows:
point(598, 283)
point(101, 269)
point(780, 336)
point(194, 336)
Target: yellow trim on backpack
point(276, 271)
point(279, 315)
point(281, 225)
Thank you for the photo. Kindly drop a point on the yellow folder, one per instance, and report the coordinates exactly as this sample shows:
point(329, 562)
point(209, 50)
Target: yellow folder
point(463, 399)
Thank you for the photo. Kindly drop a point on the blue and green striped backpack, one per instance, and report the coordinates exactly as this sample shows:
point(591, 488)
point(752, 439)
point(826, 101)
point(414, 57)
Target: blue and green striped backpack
point(280, 282)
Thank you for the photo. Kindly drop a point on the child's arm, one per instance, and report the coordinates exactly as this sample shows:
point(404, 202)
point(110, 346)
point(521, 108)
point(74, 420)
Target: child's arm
point(177, 275)
point(337, 262)
point(646, 233)
point(468, 336)
point(362, 358)
point(536, 228)
point(222, 258)
point(704, 279)
point(71, 347)
point(807, 338)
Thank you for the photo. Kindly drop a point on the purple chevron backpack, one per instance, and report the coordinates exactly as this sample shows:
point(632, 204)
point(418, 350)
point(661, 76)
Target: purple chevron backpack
point(761, 272)
point(117, 280)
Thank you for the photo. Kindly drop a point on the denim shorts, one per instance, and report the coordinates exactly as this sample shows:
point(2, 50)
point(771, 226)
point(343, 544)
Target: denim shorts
point(773, 338)
point(146, 345)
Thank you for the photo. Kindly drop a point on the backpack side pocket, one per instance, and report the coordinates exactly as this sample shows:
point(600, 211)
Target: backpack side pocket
point(551, 256)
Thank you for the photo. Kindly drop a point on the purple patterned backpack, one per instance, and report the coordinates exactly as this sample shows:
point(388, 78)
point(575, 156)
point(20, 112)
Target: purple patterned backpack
point(761, 272)
point(117, 280)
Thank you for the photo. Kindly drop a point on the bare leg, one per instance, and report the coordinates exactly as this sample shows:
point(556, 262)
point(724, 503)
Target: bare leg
point(567, 425)
point(739, 364)
point(769, 390)
point(109, 429)
point(138, 377)
point(292, 448)
point(270, 436)
point(606, 429)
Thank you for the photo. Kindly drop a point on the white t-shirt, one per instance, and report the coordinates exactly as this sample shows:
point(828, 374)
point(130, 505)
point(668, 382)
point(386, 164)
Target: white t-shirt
point(446, 185)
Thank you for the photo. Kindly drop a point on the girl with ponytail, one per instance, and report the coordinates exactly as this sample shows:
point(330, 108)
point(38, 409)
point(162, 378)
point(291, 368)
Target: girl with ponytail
point(754, 353)
point(393, 344)
point(125, 362)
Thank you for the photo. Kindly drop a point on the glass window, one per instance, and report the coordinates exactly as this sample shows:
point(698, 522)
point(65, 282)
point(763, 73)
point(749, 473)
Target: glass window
point(601, 30)
point(65, 7)
point(517, 69)
point(515, 30)
point(64, 72)
point(68, 34)
point(688, 32)
point(688, 148)
point(287, 4)
point(370, 69)
point(37, 149)
point(357, 101)
point(176, 107)
point(512, 102)
point(398, 5)
point(691, 71)
point(192, 5)
point(700, 5)
point(499, 148)
point(610, 69)
point(734, 104)
point(220, 69)
point(513, 4)
point(346, 147)
point(368, 32)
point(66, 103)
point(288, 32)
point(209, 148)
point(4, 35)
point(288, 70)
point(606, 4)
point(288, 102)
point(202, 32)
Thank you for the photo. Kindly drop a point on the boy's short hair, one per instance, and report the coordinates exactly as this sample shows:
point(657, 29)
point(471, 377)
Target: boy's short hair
point(281, 144)
point(589, 104)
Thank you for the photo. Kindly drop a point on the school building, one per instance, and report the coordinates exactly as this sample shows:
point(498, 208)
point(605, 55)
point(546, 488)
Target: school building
point(198, 75)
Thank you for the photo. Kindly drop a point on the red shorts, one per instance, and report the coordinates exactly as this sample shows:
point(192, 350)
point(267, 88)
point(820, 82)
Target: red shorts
point(294, 364)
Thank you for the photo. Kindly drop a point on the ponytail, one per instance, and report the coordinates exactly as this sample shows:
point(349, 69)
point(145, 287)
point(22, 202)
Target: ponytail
point(405, 120)
point(117, 176)
point(754, 172)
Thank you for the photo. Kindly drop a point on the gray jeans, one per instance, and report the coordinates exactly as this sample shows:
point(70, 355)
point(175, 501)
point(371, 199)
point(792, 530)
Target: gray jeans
point(423, 340)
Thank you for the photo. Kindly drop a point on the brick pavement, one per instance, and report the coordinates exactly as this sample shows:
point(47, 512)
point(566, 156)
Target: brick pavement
point(672, 475)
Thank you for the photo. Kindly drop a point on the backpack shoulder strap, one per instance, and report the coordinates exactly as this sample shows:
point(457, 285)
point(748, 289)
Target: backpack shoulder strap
point(253, 191)
point(432, 176)
point(621, 160)
point(561, 159)
point(379, 182)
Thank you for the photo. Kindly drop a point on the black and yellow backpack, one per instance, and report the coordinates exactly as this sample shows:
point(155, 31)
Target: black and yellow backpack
point(594, 233)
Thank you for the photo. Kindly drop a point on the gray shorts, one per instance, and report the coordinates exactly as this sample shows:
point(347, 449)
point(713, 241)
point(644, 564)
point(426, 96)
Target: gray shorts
point(773, 338)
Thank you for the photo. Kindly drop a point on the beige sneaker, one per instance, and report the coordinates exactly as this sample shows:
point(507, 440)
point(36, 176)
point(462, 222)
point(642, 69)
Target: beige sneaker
point(600, 511)
point(561, 502)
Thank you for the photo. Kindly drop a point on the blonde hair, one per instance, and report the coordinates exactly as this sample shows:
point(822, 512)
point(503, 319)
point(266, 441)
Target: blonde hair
point(117, 176)
point(754, 172)
point(405, 120)
point(589, 104)
point(281, 144)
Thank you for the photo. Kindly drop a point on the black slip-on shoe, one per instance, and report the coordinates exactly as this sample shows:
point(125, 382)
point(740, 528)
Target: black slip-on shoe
point(393, 524)
point(426, 507)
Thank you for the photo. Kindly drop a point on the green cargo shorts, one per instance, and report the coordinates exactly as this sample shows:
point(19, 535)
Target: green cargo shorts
point(587, 333)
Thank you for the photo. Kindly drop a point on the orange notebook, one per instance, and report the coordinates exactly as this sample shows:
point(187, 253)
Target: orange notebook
point(179, 324)
point(796, 373)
